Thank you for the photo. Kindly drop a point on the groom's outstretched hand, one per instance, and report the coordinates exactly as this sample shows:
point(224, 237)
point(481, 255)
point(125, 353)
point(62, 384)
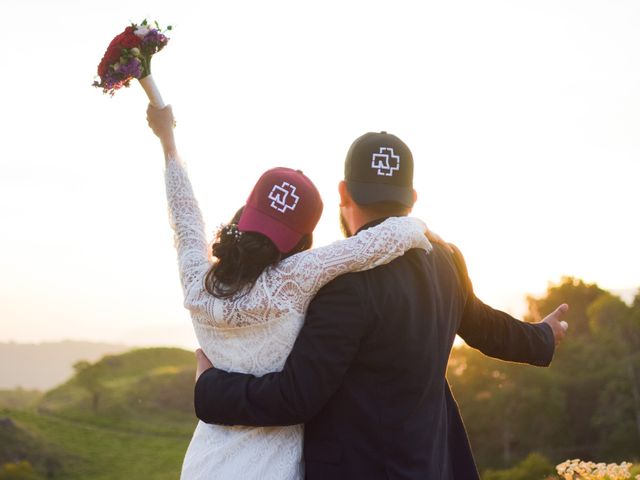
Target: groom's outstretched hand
point(203, 363)
point(559, 326)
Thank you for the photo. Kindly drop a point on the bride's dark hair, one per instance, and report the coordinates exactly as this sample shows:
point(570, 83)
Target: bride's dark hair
point(242, 257)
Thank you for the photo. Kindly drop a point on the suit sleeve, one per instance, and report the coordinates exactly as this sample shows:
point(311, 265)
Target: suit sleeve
point(496, 333)
point(322, 353)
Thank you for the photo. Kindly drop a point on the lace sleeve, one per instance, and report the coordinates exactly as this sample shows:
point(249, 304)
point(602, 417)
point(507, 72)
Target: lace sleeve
point(311, 270)
point(187, 224)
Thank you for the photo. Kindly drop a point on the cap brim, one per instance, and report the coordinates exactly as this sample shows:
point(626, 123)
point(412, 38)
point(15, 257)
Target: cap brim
point(283, 236)
point(368, 193)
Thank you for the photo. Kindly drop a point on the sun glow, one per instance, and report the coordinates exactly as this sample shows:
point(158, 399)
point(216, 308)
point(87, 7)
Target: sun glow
point(522, 120)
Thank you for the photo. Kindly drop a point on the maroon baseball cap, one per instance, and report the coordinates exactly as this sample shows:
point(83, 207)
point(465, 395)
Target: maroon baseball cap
point(284, 206)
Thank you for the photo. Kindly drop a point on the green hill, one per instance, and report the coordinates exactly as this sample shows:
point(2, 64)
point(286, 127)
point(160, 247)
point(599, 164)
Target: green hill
point(125, 416)
point(132, 391)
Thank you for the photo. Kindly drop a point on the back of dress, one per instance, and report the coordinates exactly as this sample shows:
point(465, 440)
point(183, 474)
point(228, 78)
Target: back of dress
point(253, 346)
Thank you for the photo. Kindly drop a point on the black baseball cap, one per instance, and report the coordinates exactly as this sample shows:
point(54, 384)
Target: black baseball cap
point(379, 168)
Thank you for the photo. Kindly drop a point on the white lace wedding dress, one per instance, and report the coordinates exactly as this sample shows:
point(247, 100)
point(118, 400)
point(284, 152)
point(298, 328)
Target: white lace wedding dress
point(255, 332)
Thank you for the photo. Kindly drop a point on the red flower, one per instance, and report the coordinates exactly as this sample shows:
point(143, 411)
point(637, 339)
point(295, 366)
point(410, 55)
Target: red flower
point(103, 68)
point(126, 39)
point(129, 39)
point(111, 56)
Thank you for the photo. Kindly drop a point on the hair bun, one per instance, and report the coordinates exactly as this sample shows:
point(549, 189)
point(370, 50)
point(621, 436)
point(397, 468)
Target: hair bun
point(230, 230)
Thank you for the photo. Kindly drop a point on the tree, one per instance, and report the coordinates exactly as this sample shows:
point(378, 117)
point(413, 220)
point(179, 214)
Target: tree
point(584, 365)
point(575, 292)
point(617, 329)
point(88, 376)
point(500, 402)
point(586, 405)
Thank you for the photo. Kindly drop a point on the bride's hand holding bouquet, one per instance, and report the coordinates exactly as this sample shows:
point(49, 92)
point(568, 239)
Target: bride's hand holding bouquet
point(162, 122)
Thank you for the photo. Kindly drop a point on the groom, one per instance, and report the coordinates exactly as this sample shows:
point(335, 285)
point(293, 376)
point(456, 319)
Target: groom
point(367, 373)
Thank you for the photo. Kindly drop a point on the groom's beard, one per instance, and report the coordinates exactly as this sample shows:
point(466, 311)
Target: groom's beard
point(343, 226)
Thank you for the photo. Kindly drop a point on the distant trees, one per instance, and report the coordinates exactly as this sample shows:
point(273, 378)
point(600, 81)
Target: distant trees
point(586, 405)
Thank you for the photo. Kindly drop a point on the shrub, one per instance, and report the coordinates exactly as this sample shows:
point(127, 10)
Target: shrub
point(19, 471)
point(534, 467)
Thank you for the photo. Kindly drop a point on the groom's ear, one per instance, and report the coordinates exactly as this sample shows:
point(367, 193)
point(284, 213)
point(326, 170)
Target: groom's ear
point(415, 199)
point(345, 196)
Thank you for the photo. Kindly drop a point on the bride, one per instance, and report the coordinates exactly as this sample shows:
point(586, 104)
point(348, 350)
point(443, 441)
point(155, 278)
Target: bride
point(248, 292)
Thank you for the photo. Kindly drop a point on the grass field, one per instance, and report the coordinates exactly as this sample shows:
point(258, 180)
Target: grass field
point(87, 451)
point(138, 428)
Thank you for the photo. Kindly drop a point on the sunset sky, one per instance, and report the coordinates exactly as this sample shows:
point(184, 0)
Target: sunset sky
point(523, 118)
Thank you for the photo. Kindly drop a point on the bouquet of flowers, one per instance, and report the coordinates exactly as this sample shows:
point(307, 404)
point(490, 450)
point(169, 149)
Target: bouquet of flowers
point(129, 56)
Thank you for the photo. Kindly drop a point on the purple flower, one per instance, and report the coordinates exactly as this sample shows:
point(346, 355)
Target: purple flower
point(133, 68)
point(111, 79)
point(154, 39)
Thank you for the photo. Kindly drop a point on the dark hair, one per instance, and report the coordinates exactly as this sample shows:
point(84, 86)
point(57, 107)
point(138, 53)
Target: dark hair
point(385, 209)
point(242, 257)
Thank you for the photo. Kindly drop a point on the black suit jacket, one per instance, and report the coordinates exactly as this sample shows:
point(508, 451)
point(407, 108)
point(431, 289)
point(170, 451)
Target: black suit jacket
point(367, 373)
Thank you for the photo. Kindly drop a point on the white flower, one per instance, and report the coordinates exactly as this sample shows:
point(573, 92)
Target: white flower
point(141, 31)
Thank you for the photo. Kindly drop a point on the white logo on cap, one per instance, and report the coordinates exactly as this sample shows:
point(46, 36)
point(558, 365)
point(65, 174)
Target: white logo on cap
point(386, 161)
point(283, 197)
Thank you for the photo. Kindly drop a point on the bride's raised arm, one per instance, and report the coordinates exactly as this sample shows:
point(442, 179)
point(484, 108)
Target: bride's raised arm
point(185, 217)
